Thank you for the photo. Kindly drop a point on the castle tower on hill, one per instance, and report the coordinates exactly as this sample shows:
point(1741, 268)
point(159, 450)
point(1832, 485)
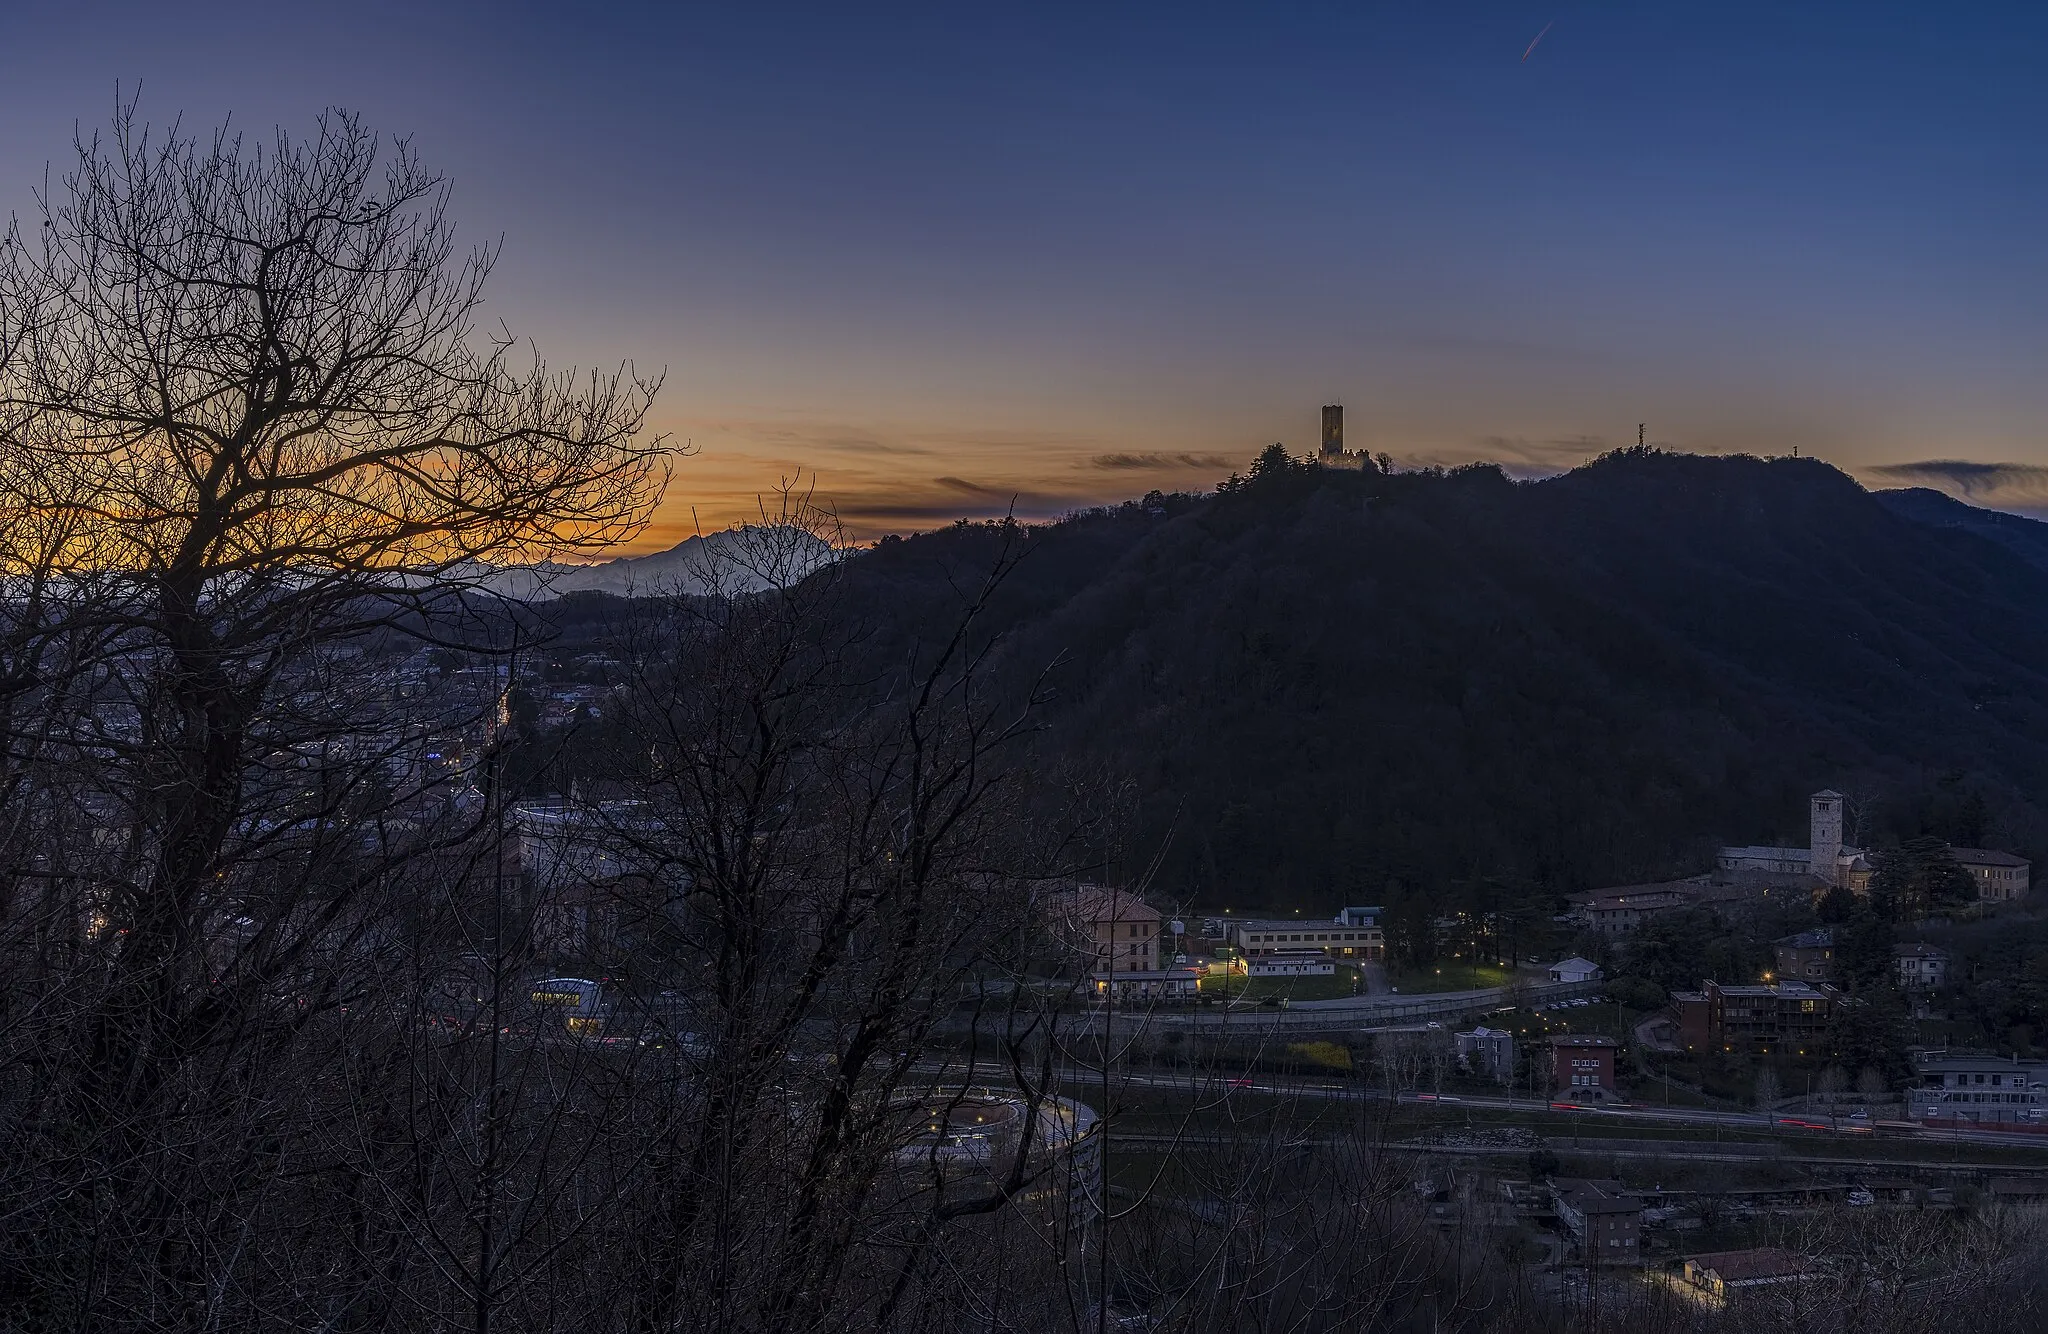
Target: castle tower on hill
point(1824, 841)
point(1333, 433)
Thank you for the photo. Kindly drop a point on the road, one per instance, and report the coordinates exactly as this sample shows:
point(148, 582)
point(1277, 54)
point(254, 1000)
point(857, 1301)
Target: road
point(1843, 1129)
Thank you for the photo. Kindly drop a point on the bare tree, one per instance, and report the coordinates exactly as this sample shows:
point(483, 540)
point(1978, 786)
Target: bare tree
point(247, 427)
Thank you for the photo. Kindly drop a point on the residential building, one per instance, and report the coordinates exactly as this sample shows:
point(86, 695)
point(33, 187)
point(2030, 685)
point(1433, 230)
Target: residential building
point(1575, 969)
point(1618, 912)
point(1117, 930)
point(2001, 877)
point(1628, 908)
point(1488, 1052)
point(1360, 916)
point(1582, 1068)
point(1921, 967)
point(1256, 936)
point(1604, 1219)
point(1776, 1016)
point(1807, 957)
point(1725, 1276)
point(1979, 1089)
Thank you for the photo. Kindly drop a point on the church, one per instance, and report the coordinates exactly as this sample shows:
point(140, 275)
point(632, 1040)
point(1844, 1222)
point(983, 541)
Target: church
point(2000, 876)
point(1825, 857)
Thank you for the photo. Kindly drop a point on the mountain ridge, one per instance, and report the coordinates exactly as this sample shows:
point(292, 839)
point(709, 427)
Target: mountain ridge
point(1326, 685)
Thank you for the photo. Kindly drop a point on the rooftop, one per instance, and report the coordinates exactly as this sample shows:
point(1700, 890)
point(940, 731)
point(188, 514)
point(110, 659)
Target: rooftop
point(1759, 1262)
point(1820, 938)
point(1986, 857)
point(1096, 903)
point(1598, 1197)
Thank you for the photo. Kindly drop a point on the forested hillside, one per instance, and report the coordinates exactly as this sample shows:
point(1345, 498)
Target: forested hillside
point(1331, 686)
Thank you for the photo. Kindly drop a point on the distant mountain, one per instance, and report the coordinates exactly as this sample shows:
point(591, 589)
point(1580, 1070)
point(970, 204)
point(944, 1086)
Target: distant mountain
point(1329, 687)
point(2024, 537)
point(737, 560)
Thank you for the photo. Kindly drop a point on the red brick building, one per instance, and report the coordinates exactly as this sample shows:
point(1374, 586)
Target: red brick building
point(1787, 1017)
point(1582, 1068)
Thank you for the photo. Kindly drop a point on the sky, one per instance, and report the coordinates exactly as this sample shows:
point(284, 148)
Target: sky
point(952, 260)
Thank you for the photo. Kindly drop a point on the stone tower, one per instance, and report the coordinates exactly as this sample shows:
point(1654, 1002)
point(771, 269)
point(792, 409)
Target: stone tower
point(1825, 842)
point(1333, 433)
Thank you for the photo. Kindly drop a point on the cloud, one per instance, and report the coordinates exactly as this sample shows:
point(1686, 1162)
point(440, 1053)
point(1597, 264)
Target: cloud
point(1558, 452)
point(1161, 462)
point(1998, 483)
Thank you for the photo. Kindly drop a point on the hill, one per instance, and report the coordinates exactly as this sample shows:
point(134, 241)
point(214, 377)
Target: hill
point(1334, 686)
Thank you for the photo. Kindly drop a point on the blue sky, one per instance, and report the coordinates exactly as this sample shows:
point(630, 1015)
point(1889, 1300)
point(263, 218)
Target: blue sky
point(941, 256)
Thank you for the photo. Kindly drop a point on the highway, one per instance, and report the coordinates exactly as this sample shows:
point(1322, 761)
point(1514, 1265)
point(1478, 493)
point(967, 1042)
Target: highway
point(1079, 1081)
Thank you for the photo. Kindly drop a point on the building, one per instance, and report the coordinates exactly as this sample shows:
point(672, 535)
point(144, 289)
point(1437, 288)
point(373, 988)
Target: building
point(1604, 1219)
point(1333, 433)
point(1825, 858)
point(1290, 965)
point(1575, 969)
point(1360, 916)
point(2001, 877)
point(1788, 1016)
point(1488, 1052)
point(1627, 908)
point(1150, 984)
point(1921, 967)
point(1978, 1089)
point(1582, 1068)
point(1116, 930)
point(1617, 912)
point(1337, 939)
point(1807, 957)
point(1725, 1276)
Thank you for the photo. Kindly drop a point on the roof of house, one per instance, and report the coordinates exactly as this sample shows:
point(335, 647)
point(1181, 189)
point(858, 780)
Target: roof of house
point(1986, 857)
point(1598, 1197)
point(1582, 1040)
point(1759, 1262)
point(1820, 938)
point(1792, 990)
point(1917, 950)
point(1575, 962)
point(1623, 891)
point(1097, 903)
point(1290, 924)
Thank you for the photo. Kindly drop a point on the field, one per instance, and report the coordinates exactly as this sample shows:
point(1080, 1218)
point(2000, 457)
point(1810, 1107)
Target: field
point(1252, 990)
point(1452, 976)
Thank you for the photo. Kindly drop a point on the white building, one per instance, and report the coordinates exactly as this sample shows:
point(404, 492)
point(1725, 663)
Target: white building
point(1290, 965)
point(1256, 937)
point(1979, 1089)
point(1575, 969)
point(1150, 984)
point(1921, 967)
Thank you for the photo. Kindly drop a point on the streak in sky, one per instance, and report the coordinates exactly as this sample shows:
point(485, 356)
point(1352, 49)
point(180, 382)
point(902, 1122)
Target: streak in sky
point(1539, 37)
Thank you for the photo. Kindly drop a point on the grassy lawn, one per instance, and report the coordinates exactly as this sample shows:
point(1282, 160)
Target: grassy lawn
point(1251, 990)
point(1454, 975)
